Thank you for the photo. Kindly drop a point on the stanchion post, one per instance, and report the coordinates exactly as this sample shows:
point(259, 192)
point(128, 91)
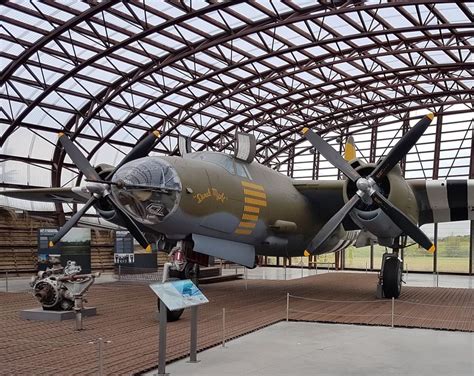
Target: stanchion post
point(245, 277)
point(393, 311)
point(366, 267)
point(162, 342)
point(78, 306)
point(193, 346)
point(100, 354)
point(120, 272)
point(223, 327)
point(6, 281)
point(437, 279)
point(101, 360)
point(284, 267)
point(287, 306)
point(302, 272)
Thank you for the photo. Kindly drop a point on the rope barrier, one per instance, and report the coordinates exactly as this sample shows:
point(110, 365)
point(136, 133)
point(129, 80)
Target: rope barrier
point(341, 314)
point(339, 301)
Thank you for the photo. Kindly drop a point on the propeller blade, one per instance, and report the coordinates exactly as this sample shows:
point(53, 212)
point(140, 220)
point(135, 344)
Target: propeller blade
point(330, 154)
point(331, 225)
point(401, 149)
point(78, 158)
point(402, 221)
point(130, 225)
point(142, 149)
point(72, 222)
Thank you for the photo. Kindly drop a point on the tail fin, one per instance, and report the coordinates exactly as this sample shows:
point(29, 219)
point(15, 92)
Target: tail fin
point(350, 151)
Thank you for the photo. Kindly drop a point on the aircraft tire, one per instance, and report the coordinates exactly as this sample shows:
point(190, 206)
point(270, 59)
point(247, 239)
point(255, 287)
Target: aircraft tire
point(171, 315)
point(392, 278)
point(191, 271)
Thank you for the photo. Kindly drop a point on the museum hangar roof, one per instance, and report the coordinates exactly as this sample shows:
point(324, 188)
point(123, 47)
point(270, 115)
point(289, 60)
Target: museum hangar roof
point(106, 73)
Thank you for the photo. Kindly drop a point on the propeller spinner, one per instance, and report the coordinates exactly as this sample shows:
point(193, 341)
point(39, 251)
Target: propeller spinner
point(368, 190)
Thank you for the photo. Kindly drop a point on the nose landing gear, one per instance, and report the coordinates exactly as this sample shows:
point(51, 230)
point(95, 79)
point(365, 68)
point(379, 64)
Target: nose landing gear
point(179, 267)
point(391, 273)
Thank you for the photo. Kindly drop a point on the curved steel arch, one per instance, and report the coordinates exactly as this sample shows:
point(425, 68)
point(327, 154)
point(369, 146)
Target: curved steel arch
point(277, 53)
point(151, 67)
point(216, 41)
point(106, 52)
point(297, 127)
point(26, 54)
point(307, 149)
point(317, 86)
point(451, 39)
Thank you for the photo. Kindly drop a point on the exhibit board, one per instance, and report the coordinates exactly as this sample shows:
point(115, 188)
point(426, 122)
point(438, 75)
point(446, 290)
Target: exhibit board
point(179, 294)
point(131, 256)
point(74, 246)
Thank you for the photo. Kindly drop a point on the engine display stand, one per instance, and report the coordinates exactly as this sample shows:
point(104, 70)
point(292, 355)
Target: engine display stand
point(39, 314)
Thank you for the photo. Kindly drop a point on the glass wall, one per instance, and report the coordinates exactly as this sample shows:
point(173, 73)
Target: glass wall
point(453, 247)
point(417, 259)
point(357, 258)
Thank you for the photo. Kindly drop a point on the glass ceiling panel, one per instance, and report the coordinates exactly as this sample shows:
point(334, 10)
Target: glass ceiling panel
point(105, 88)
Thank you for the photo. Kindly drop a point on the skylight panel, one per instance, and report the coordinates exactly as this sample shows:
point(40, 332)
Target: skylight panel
point(167, 41)
point(247, 47)
point(167, 8)
point(340, 26)
point(205, 26)
point(184, 34)
point(291, 35)
point(247, 11)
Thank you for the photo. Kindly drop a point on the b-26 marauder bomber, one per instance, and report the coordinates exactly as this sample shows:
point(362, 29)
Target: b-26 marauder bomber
point(229, 206)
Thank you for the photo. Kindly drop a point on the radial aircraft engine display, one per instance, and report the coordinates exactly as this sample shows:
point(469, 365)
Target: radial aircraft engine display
point(56, 287)
point(229, 206)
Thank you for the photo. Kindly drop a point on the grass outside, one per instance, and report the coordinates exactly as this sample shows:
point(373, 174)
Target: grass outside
point(452, 257)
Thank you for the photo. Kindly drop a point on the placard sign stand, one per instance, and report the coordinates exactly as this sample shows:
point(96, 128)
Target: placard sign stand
point(176, 295)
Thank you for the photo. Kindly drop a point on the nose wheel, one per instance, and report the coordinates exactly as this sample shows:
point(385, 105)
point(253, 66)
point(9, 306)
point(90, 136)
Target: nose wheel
point(179, 268)
point(392, 276)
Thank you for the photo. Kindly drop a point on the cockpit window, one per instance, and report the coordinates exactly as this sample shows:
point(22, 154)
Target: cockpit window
point(242, 170)
point(219, 159)
point(225, 161)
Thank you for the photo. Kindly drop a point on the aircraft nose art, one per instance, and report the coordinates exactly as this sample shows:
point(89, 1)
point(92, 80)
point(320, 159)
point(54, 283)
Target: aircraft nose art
point(152, 192)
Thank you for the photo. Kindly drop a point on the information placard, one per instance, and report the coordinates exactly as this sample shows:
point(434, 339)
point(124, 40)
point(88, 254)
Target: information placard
point(179, 294)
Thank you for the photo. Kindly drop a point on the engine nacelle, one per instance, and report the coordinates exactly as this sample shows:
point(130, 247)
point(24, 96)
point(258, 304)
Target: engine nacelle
point(369, 216)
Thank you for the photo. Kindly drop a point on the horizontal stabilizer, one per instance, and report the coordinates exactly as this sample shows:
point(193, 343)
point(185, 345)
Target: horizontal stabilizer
point(240, 253)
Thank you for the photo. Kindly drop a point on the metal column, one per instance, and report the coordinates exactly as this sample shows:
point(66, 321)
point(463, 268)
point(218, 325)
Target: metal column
point(193, 345)
point(162, 342)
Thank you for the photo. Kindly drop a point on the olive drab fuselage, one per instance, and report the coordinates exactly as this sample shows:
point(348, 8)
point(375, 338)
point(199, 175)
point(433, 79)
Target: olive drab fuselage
point(239, 203)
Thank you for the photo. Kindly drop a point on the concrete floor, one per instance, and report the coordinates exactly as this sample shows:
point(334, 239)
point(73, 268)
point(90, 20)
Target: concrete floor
point(331, 349)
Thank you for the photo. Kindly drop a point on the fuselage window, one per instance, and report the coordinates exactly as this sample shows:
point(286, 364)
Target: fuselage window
point(242, 170)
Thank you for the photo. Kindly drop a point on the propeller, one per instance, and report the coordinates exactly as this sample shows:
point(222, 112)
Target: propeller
point(100, 189)
point(368, 190)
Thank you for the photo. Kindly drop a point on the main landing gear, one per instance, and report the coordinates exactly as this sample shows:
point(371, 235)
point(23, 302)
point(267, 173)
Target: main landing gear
point(391, 273)
point(180, 267)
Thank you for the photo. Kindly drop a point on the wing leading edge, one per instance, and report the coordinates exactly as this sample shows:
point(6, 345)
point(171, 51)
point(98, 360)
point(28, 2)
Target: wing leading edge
point(444, 200)
point(75, 195)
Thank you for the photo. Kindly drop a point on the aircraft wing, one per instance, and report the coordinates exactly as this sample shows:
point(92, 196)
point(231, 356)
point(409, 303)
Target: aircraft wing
point(325, 197)
point(444, 200)
point(323, 194)
point(75, 195)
